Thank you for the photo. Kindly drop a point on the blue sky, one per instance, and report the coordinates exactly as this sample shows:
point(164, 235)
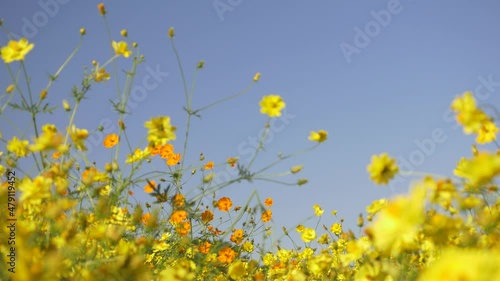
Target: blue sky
point(391, 94)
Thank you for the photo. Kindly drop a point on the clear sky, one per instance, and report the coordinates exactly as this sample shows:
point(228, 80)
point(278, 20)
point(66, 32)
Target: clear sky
point(379, 76)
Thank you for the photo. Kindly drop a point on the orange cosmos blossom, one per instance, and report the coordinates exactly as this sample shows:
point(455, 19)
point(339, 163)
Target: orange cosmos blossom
point(224, 204)
point(184, 228)
point(150, 186)
point(267, 215)
point(209, 165)
point(268, 202)
point(204, 248)
point(237, 236)
point(110, 140)
point(207, 216)
point(166, 150)
point(178, 200)
point(226, 255)
point(174, 159)
point(178, 216)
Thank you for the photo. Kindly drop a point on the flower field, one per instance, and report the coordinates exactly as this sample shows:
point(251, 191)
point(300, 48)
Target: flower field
point(65, 217)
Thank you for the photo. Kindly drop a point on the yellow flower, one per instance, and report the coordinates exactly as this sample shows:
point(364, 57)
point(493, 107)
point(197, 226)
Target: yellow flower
point(78, 136)
point(336, 228)
point(396, 226)
point(49, 139)
point(101, 75)
point(317, 210)
point(376, 206)
point(319, 136)
point(236, 270)
point(248, 247)
point(308, 235)
point(382, 168)
point(487, 133)
point(272, 105)
point(464, 265)
point(481, 169)
point(464, 103)
point(121, 48)
point(160, 130)
point(138, 155)
point(9, 89)
point(18, 147)
point(16, 50)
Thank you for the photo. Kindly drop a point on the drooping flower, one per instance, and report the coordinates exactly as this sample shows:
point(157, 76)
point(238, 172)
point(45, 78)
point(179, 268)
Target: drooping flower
point(272, 105)
point(78, 136)
point(16, 50)
point(319, 136)
point(382, 168)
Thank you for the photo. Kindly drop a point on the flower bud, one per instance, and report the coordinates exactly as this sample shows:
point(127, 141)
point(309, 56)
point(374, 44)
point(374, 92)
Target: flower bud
point(200, 64)
point(256, 77)
point(302, 182)
point(102, 9)
point(82, 31)
point(66, 105)
point(171, 32)
point(9, 89)
point(124, 33)
point(296, 169)
point(43, 94)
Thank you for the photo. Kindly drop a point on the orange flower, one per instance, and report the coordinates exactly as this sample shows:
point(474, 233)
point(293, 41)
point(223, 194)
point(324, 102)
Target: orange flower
point(209, 165)
point(232, 161)
point(207, 216)
point(166, 150)
point(267, 215)
point(178, 216)
point(184, 228)
point(226, 255)
point(174, 159)
point(178, 200)
point(101, 9)
point(237, 236)
point(110, 140)
point(56, 155)
point(146, 218)
point(268, 202)
point(204, 248)
point(224, 204)
point(150, 186)
point(155, 150)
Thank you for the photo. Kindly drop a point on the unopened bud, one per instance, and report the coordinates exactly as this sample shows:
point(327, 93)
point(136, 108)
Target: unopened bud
point(124, 33)
point(82, 31)
point(101, 9)
point(200, 64)
point(171, 32)
point(302, 182)
point(66, 105)
point(9, 89)
point(296, 169)
point(256, 77)
point(43, 94)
